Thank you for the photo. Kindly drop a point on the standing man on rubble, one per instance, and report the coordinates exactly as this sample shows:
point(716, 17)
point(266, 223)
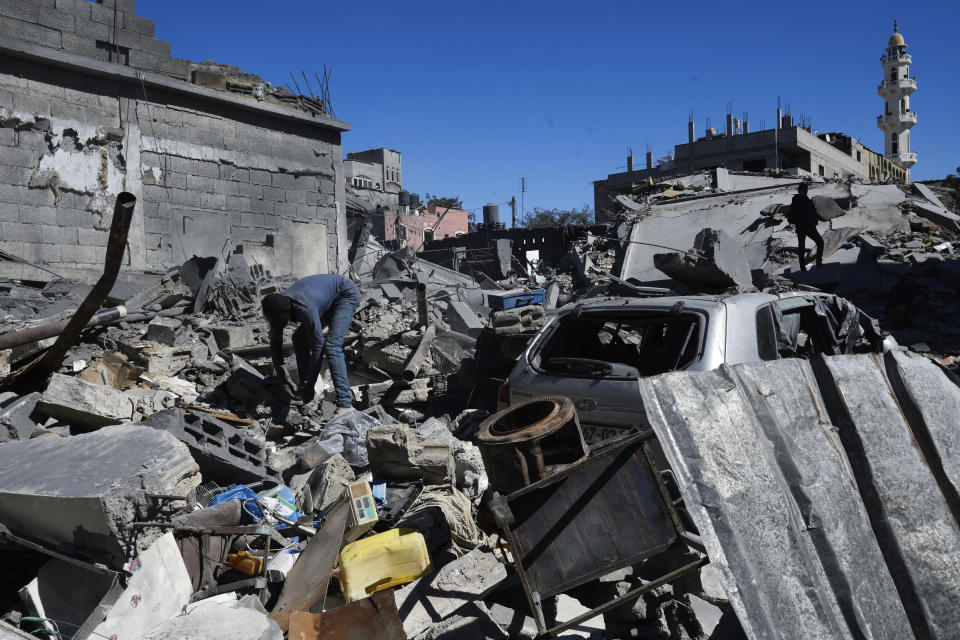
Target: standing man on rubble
point(803, 217)
point(314, 302)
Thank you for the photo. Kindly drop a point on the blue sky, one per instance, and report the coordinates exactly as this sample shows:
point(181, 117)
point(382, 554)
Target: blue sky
point(476, 95)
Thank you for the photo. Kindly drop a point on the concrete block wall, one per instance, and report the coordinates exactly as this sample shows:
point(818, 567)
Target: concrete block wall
point(211, 178)
point(106, 30)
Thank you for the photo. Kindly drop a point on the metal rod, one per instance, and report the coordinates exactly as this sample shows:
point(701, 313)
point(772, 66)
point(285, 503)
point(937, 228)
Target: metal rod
point(309, 88)
point(462, 338)
point(630, 595)
point(413, 365)
point(51, 329)
point(116, 246)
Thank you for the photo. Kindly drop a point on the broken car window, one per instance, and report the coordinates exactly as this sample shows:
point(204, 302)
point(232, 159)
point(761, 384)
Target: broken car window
point(622, 346)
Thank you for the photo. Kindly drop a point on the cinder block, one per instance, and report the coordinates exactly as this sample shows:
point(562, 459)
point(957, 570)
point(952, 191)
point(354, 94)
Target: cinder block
point(21, 157)
point(226, 187)
point(190, 166)
point(251, 219)
point(262, 206)
point(82, 255)
point(184, 196)
point(82, 45)
point(258, 176)
point(86, 28)
point(50, 253)
point(230, 172)
point(250, 189)
point(173, 179)
point(306, 183)
point(271, 221)
point(77, 8)
point(103, 13)
point(209, 169)
point(163, 330)
point(9, 213)
point(143, 26)
point(273, 193)
point(199, 183)
point(296, 196)
point(223, 452)
point(38, 215)
point(213, 200)
point(233, 337)
point(18, 232)
point(28, 11)
point(74, 217)
point(286, 209)
point(92, 237)
point(59, 20)
point(59, 235)
point(8, 136)
point(238, 204)
point(285, 180)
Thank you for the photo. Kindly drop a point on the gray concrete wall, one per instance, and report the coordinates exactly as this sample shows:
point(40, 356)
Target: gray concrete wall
point(212, 172)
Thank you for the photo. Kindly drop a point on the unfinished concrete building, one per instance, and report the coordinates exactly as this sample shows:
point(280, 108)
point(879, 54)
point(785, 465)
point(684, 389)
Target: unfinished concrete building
point(91, 104)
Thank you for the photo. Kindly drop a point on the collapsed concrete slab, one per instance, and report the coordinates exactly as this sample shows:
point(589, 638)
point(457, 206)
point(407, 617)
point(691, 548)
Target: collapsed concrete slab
point(937, 215)
point(85, 491)
point(84, 404)
point(433, 598)
point(719, 263)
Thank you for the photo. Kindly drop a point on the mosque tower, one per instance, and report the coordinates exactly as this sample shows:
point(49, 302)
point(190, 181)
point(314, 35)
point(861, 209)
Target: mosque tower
point(897, 118)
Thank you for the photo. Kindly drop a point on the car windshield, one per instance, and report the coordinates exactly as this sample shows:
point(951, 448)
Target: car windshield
point(638, 344)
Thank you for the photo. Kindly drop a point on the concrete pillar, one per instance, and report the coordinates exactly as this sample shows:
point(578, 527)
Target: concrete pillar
point(729, 125)
point(649, 160)
point(779, 118)
point(630, 163)
point(690, 134)
point(746, 126)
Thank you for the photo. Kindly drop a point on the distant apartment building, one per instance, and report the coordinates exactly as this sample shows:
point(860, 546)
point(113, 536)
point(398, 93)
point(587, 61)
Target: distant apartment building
point(376, 169)
point(417, 228)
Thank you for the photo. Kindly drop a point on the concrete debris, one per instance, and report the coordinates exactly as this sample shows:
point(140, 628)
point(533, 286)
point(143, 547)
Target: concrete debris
point(84, 404)
point(86, 491)
point(431, 599)
point(402, 454)
point(715, 263)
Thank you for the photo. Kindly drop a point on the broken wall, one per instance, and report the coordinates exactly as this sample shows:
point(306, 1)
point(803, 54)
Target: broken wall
point(214, 173)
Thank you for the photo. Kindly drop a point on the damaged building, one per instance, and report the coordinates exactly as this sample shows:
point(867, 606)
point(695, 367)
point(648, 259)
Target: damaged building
point(91, 104)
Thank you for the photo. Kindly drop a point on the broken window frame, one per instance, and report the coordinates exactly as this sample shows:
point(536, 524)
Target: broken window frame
point(694, 343)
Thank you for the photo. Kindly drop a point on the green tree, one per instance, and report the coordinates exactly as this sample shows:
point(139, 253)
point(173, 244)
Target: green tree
point(540, 217)
point(453, 202)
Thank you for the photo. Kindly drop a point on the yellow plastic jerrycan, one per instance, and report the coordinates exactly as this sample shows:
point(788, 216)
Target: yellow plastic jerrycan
point(382, 561)
point(246, 562)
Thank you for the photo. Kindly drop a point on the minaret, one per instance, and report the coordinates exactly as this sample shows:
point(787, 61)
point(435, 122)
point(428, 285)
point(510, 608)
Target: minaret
point(895, 90)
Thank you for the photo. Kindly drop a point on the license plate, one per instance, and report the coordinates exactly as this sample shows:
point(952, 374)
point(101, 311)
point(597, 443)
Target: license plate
point(595, 433)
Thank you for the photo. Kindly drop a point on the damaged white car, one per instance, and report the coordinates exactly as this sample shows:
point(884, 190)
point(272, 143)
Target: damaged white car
point(594, 351)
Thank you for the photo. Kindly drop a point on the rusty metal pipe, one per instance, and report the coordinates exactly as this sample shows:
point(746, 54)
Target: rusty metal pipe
point(51, 329)
point(413, 365)
point(422, 314)
point(116, 245)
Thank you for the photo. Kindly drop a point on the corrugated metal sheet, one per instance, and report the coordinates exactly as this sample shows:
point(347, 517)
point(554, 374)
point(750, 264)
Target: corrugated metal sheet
point(824, 519)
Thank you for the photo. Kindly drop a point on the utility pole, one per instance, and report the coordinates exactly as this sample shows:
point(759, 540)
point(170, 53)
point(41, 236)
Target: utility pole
point(513, 212)
point(523, 190)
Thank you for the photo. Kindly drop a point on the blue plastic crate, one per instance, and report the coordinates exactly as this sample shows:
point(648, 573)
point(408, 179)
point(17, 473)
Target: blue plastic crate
point(515, 298)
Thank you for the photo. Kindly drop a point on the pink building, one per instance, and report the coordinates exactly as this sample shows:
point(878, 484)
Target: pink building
point(414, 230)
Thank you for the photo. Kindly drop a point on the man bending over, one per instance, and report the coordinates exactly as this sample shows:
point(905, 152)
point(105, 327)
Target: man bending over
point(314, 302)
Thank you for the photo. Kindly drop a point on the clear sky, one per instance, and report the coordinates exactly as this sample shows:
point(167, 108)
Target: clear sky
point(477, 94)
